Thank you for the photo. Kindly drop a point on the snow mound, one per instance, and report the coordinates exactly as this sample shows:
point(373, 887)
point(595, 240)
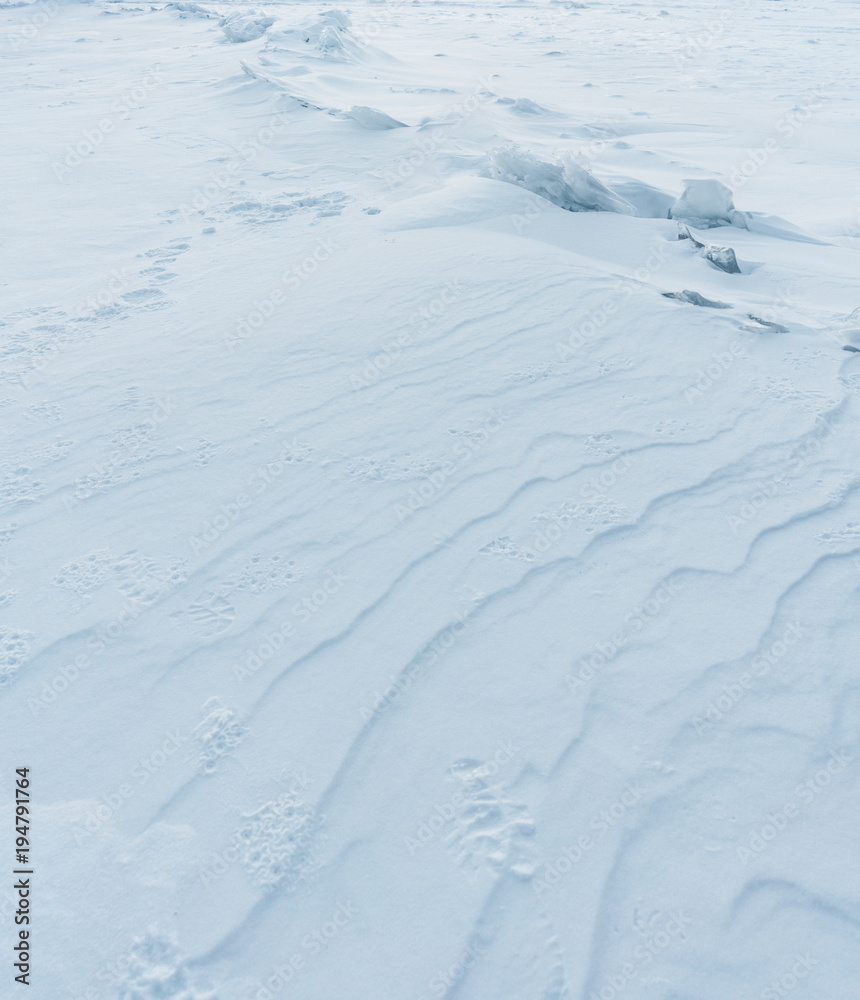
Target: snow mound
point(245, 25)
point(564, 182)
point(373, 119)
point(187, 9)
point(329, 35)
point(704, 204)
point(524, 106)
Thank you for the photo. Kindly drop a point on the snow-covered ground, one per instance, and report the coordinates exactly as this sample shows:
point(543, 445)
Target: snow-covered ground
point(428, 563)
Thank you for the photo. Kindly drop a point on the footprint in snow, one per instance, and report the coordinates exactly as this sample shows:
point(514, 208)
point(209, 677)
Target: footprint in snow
point(208, 616)
point(158, 971)
point(490, 831)
point(14, 647)
point(277, 843)
point(217, 735)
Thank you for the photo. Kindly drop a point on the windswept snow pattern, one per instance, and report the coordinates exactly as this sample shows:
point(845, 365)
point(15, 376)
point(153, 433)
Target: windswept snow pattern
point(429, 498)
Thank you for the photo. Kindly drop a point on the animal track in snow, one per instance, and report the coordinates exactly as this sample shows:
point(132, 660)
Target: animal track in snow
point(49, 412)
point(490, 831)
point(671, 428)
point(208, 616)
point(531, 374)
point(849, 533)
point(594, 512)
point(784, 390)
point(14, 647)
point(135, 575)
point(18, 485)
point(142, 579)
point(169, 253)
point(157, 971)
point(146, 298)
point(205, 452)
point(86, 575)
point(506, 548)
point(217, 735)
point(277, 843)
point(260, 213)
point(129, 448)
point(601, 445)
point(260, 574)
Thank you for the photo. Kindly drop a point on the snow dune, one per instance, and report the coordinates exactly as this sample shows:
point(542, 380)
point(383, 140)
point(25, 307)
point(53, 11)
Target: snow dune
point(427, 566)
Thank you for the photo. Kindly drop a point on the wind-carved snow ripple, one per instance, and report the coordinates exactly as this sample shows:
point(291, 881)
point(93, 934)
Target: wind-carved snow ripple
point(278, 843)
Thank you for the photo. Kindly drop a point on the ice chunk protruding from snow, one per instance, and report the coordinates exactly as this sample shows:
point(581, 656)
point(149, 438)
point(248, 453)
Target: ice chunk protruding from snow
point(245, 25)
point(775, 327)
point(373, 119)
point(704, 204)
point(187, 9)
point(695, 299)
point(722, 257)
point(328, 35)
point(564, 182)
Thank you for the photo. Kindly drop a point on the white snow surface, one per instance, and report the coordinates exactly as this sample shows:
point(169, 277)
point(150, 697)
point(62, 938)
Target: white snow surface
point(401, 596)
